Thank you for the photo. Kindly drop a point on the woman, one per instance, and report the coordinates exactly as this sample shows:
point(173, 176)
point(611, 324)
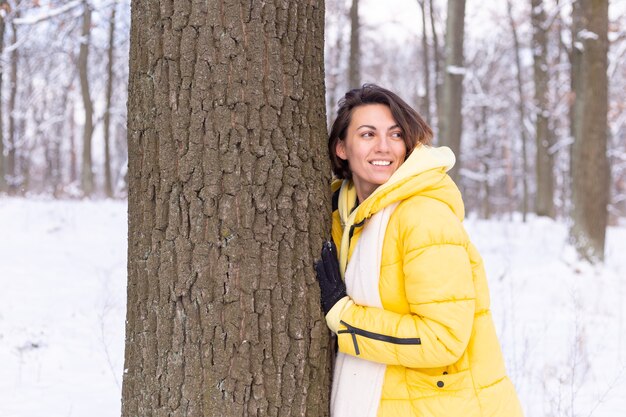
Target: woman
point(414, 330)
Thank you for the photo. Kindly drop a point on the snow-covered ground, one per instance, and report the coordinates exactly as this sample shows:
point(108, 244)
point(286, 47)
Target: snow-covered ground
point(62, 306)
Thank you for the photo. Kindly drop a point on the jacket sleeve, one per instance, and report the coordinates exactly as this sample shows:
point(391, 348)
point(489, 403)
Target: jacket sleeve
point(438, 284)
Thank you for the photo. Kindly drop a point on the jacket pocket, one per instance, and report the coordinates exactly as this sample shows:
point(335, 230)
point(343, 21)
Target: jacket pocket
point(446, 395)
point(421, 384)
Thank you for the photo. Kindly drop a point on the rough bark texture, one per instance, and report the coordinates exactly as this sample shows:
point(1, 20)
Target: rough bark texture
point(544, 163)
point(451, 122)
point(354, 70)
point(86, 176)
point(228, 205)
point(108, 181)
point(521, 110)
point(590, 165)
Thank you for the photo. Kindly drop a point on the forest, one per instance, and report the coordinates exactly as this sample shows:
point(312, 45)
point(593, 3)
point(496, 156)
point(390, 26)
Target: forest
point(207, 121)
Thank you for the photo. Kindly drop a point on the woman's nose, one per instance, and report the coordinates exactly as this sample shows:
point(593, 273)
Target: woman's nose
point(382, 145)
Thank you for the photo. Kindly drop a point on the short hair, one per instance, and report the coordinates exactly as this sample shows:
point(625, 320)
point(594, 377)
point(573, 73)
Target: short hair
point(414, 129)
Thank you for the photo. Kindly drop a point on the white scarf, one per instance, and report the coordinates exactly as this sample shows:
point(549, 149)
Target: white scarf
point(358, 383)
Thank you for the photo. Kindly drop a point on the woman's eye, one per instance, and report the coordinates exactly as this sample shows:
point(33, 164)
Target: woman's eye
point(397, 135)
point(367, 134)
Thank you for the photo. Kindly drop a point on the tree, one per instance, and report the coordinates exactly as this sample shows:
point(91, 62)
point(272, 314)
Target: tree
point(108, 181)
point(86, 176)
point(451, 121)
point(4, 7)
point(437, 60)
point(11, 162)
point(228, 205)
point(521, 108)
point(355, 47)
point(544, 200)
point(425, 63)
point(590, 167)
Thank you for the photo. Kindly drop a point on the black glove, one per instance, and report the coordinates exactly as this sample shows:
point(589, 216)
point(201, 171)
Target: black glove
point(332, 286)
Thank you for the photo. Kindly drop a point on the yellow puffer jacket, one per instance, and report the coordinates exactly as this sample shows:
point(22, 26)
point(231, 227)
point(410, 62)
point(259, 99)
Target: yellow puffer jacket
point(435, 332)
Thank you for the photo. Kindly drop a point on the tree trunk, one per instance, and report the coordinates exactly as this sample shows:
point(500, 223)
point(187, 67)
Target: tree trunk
point(228, 205)
point(451, 122)
point(108, 182)
point(544, 200)
point(3, 182)
point(425, 63)
point(521, 110)
point(73, 153)
point(355, 47)
point(437, 59)
point(590, 165)
point(11, 166)
point(86, 176)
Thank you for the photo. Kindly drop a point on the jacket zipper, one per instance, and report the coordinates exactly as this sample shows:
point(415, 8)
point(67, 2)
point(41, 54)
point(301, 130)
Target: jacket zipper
point(353, 331)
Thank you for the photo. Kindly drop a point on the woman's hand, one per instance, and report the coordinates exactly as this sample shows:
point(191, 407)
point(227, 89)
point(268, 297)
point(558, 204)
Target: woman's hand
point(332, 287)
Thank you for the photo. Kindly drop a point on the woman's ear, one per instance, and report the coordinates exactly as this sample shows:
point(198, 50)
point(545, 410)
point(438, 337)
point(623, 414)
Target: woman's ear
point(340, 149)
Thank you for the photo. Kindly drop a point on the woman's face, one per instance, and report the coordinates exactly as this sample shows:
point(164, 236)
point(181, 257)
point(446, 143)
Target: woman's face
point(374, 147)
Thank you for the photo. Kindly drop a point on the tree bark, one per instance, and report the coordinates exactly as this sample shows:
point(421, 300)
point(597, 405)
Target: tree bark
point(544, 200)
point(108, 181)
point(590, 165)
point(86, 176)
point(355, 47)
point(228, 205)
point(521, 110)
point(451, 122)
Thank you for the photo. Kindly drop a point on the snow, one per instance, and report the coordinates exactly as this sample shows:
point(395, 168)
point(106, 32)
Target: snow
point(48, 14)
point(456, 70)
point(62, 311)
point(588, 35)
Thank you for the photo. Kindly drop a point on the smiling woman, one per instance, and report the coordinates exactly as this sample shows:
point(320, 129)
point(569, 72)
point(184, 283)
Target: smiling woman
point(406, 293)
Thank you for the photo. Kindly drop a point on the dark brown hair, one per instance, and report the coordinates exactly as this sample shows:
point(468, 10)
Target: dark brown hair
point(414, 129)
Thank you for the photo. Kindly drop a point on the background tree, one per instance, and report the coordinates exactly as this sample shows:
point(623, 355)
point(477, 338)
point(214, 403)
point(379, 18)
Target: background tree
point(451, 122)
point(4, 8)
point(355, 46)
point(521, 109)
point(86, 176)
point(425, 108)
point(228, 205)
point(590, 168)
point(108, 179)
point(544, 200)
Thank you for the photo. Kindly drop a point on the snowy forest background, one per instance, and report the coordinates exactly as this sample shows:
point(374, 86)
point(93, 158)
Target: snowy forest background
point(63, 113)
point(63, 93)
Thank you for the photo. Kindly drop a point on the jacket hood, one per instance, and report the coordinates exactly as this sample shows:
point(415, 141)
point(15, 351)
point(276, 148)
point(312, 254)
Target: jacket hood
point(423, 173)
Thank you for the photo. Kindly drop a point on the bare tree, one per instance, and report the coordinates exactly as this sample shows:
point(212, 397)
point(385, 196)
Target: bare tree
point(4, 8)
point(437, 60)
point(544, 200)
point(228, 204)
point(108, 181)
point(425, 63)
point(521, 109)
point(451, 122)
point(86, 176)
point(590, 167)
point(12, 175)
point(355, 47)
